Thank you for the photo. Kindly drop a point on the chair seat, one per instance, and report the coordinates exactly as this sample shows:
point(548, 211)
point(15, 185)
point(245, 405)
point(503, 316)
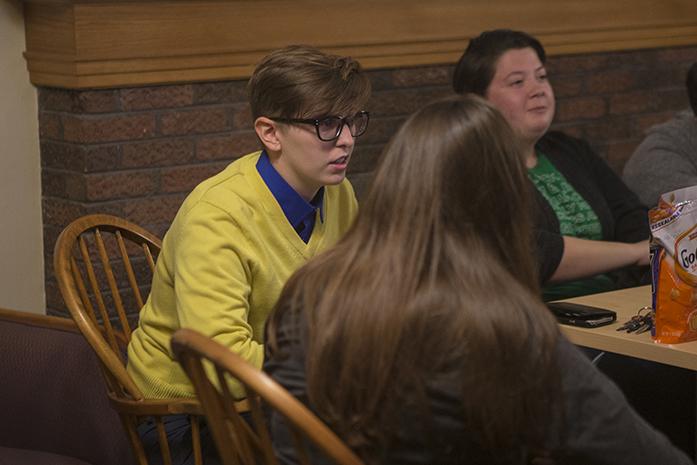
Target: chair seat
point(12, 456)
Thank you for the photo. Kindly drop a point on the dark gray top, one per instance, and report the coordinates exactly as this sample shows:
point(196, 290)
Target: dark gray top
point(600, 426)
point(666, 160)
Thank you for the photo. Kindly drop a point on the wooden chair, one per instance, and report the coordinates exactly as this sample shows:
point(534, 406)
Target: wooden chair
point(104, 267)
point(237, 442)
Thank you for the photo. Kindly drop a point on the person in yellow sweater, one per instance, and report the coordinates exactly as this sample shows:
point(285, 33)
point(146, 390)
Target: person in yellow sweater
point(240, 234)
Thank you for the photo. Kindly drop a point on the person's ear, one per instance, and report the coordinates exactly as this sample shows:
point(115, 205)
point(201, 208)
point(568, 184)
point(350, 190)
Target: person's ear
point(267, 131)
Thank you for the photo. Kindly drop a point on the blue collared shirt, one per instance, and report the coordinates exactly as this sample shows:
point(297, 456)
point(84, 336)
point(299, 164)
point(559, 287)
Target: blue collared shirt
point(299, 212)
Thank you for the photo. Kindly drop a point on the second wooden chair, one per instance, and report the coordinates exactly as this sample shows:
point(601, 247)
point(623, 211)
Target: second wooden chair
point(237, 441)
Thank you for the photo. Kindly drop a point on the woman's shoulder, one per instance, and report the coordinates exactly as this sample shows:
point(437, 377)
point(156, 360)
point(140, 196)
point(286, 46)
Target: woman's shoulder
point(558, 143)
point(569, 152)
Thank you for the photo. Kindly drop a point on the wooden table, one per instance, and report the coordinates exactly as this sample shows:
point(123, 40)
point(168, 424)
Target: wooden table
point(626, 302)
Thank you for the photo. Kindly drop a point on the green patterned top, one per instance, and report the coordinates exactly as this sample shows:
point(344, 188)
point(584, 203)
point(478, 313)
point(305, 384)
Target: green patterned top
point(576, 219)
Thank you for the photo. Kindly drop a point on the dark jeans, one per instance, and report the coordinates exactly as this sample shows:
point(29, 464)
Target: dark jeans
point(178, 431)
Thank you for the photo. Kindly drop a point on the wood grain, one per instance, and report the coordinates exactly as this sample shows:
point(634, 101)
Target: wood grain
point(114, 43)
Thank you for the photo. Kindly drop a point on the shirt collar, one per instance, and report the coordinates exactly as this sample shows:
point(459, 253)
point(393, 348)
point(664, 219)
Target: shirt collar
point(293, 205)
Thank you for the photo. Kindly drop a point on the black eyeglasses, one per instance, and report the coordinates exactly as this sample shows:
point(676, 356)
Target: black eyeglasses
point(329, 128)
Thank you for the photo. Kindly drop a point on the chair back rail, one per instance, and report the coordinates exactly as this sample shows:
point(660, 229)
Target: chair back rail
point(102, 264)
point(235, 439)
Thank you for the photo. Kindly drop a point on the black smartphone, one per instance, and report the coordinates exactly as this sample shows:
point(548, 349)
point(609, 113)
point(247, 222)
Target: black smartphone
point(581, 315)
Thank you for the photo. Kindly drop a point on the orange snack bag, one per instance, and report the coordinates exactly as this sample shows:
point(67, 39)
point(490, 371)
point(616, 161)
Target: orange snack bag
point(674, 266)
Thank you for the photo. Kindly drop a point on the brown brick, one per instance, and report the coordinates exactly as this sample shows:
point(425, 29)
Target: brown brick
point(102, 158)
point(62, 156)
point(96, 101)
point(631, 59)
point(60, 212)
point(567, 86)
point(80, 158)
point(115, 208)
point(619, 152)
point(185, 178)
point(153, 209)
point(664, 76)
point(573, 129)
point(55, 99)
point(644, 122)
point(423, 76)
point(227, 147)
point(158, 229)
point(157, 153)
point(194, 121)
point(64, 184)
point(381, 79)
point(380, 130)
point(117, 185)
point(242, 116)
point(634, 103)
point(403, 101)
point(50, 126)
point(54, 301)
point(673, 99)
point(94, 129)
point(571, 64)
point(606, 82)
point(147, 98)
point(220, 92)
point(79, 101)
point(609, 129)
point(364, 158)
point(682, 54)
point(361, 183)
point(576, 108)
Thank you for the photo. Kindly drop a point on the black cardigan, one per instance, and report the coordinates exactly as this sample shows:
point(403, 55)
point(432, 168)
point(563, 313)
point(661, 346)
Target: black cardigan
point(622, 216)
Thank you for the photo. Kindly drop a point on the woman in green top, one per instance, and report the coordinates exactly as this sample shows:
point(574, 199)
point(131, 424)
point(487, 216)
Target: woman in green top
point(589, 223)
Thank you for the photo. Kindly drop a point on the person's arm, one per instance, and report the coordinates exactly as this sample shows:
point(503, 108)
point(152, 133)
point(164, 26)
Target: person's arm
point(213, 280)
point(583, 257)
point(659, 165)
point(600, 427)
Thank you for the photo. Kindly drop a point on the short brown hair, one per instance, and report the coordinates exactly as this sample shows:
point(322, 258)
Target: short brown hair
point(477, 65)
point(299, 81)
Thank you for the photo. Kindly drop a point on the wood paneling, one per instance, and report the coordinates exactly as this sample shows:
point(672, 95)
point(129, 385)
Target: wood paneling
point(82, 43)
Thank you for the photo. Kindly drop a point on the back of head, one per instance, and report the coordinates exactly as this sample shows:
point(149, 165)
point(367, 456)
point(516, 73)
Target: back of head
point(477, 65)
point(455, 167)
point(691, 83)
point(299, 81)
point(435, 281)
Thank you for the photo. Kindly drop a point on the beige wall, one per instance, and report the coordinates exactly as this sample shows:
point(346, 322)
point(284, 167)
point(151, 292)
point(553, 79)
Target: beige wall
point(21, 250)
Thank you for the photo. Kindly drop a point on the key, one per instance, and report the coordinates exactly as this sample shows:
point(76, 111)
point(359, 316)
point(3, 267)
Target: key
point(629, 324)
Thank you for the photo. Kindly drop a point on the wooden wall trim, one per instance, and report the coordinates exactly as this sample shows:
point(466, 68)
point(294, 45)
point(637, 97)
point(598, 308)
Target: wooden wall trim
point(113, 43)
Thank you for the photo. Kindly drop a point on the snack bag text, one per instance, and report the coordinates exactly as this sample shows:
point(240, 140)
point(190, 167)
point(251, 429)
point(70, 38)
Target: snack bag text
point(674, 266)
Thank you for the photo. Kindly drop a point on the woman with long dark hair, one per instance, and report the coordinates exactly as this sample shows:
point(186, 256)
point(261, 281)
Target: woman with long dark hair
point(420, 338)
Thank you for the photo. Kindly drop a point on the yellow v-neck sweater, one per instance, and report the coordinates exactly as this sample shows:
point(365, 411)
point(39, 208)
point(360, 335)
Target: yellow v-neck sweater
point(224, 261)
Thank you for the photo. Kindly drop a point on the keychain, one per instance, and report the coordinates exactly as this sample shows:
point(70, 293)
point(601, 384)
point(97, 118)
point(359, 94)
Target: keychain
point(640, 323)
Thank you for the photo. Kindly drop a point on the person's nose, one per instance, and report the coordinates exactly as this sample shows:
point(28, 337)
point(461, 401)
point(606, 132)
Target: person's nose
point(539, 88)
point(345, 138)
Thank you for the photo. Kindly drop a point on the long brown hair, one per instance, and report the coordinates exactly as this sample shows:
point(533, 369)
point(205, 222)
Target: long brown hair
point(434, 280)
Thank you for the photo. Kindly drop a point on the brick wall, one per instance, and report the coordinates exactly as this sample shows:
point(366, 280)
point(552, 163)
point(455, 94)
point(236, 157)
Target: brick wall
point(137, 152)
